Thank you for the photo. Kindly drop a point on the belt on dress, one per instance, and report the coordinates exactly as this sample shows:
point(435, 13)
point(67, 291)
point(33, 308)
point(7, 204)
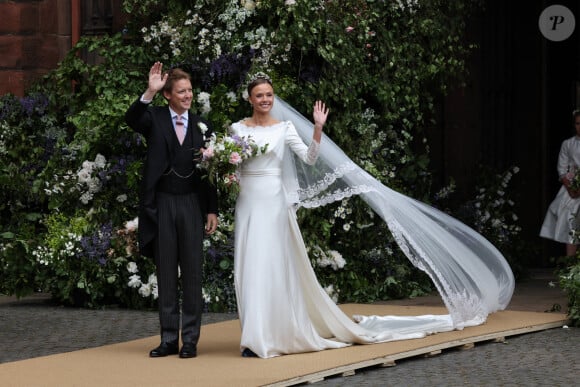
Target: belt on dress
point(263, 172)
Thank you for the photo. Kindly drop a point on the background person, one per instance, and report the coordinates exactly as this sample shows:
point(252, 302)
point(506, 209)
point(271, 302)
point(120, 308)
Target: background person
point(562, 215)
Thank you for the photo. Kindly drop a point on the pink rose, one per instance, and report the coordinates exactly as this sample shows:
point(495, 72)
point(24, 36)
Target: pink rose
point(231, 179)
point(207, 153)
point(235, 158)
point(349, 29)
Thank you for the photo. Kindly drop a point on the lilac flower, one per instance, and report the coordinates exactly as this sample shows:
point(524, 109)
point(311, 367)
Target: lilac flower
point(34, 103)
point(96, 246)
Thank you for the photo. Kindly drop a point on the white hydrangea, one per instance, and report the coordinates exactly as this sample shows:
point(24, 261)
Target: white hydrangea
point(203, 100)
point(134, 281)
point(132, 225)
point(132, 267)
point(145, 290)
point(332, 293)
point(206, 296)
point(331, 258)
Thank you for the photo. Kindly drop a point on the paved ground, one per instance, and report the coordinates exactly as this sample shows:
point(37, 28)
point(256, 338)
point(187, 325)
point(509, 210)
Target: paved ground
point(33, 327)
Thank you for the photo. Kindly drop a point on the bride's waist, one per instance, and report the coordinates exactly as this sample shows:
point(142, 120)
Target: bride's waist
point(262, 172)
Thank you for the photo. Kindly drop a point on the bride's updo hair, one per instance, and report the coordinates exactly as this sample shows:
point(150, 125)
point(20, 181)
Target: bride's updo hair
point(258, 79)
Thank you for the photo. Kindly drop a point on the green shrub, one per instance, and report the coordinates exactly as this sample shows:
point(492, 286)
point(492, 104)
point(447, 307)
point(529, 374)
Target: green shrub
point(380, 66)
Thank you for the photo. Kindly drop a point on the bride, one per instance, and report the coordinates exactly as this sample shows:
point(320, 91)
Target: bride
point(282, 307)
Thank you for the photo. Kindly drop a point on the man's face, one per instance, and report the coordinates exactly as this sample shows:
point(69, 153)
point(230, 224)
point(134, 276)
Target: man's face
point(180, 96)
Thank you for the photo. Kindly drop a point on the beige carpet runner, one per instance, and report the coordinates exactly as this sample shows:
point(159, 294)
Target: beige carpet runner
point(219, 362)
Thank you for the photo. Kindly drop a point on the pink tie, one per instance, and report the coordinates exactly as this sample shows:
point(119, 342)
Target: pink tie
point(179, 129)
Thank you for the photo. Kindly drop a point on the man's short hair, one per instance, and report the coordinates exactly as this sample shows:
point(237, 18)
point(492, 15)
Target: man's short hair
point(175, 75)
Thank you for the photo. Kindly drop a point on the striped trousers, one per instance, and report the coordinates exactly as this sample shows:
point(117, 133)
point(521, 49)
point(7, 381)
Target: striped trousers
point(178, 257)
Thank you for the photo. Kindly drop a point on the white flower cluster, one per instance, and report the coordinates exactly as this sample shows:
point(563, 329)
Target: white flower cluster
point(87, 178)
point(5, 133)
point(207, 296)
point(268, 51)
point(407, 5)
point(494, 212)
point(60, 183)
point(204, 103)
point(231, 96)
point(220, 236)
point(385, 144)
point(210, 38)
point(207, 37)
point(575, 233)
point(159, 32)
point(332, 292)
point(132, 225)
point(147, 289)
point(446, 191)
point(45, 255)
point(330, 258)
point(250, 5)
point(341, 213)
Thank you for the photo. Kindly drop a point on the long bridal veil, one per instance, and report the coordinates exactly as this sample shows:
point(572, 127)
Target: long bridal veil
point(471, 275)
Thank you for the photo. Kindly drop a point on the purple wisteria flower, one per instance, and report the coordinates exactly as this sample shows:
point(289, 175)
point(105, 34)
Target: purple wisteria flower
point(97, 245)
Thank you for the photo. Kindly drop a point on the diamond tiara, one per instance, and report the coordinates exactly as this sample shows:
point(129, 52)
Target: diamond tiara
point(259, 75)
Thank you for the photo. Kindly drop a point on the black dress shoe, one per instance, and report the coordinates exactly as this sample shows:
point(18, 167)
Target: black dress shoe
point(248, 353)
point(188, 351)
point(163, 350)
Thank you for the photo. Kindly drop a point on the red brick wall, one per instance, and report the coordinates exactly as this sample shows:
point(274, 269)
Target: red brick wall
point(34, 36)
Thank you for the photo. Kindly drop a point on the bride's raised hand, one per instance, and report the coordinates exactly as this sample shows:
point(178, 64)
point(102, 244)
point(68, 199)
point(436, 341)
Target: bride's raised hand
point(156, 77)
point(320, 114)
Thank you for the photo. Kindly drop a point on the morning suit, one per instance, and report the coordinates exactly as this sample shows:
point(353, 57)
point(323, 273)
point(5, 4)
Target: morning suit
point(174, 201)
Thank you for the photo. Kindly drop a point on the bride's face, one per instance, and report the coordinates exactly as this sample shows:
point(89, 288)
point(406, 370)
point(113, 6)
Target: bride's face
point(262, 98)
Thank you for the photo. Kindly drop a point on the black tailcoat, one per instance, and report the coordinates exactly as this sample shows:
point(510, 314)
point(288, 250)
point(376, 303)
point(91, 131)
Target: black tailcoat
point(156, 125)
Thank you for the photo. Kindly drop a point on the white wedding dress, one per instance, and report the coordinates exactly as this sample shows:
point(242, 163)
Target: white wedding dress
point(281, 305)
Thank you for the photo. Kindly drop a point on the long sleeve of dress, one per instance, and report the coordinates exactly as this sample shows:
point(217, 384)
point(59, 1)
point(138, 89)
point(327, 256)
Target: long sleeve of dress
point(307, 154)
point(569, 157)
point(564, 160)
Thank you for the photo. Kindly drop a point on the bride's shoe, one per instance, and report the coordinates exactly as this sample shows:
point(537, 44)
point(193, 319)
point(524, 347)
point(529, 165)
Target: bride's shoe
point(248, 353)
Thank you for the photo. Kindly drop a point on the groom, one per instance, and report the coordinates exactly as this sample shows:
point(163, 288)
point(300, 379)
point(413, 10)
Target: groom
point(174, 200)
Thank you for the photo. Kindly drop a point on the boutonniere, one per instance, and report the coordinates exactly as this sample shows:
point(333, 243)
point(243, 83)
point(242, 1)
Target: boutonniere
point(202, 128)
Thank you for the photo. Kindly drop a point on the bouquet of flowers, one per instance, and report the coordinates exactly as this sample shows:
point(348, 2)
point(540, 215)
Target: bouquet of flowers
point(223, 155)
point(574, 177)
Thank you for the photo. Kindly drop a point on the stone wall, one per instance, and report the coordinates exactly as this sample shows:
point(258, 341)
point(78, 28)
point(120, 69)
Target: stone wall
point(34, 36)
